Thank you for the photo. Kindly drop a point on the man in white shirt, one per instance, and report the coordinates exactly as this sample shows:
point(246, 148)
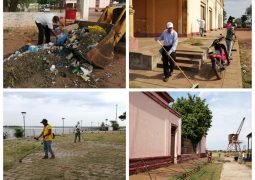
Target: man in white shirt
point(201, 26)
point(45, 24)
point(170, 38)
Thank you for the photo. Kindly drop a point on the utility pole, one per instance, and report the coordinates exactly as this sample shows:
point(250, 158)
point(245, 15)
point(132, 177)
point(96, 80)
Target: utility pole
point(63, 126)
point(81, 124)
point(24, 121)
point(116, 112)
point(91, 125)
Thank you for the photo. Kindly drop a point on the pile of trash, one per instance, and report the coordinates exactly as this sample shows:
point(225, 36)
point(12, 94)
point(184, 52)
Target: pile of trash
point(63, 58)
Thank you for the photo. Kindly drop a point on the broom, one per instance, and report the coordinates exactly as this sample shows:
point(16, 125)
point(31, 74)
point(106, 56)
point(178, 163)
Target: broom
point(191, 83)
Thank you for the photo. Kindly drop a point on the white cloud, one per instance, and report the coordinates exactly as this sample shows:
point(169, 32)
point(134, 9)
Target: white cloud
point(74, 106)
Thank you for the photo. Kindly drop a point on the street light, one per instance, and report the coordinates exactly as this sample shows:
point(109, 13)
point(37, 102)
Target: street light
point(63, 126)
point(24, 114)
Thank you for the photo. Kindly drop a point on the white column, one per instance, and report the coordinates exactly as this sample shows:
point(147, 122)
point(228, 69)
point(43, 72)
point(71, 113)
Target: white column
point(84, 9)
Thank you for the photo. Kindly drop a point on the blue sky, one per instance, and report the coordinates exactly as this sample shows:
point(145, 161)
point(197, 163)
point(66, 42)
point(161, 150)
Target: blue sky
point(236, 8)
point(73, 106)
point(228, 109)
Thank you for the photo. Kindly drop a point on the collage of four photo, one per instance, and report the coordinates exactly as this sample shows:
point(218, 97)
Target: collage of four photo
point(127, 89)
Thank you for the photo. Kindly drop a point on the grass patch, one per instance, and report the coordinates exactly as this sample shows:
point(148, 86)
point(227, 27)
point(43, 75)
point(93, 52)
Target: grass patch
point(16, 149)
point(117, 137)
point(208, 172)
point(246, 65)
point(193, 42)
point(7, 30)
point(134, 86)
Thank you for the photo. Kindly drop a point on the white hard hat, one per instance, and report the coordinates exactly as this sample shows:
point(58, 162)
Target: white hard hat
point(169, 25)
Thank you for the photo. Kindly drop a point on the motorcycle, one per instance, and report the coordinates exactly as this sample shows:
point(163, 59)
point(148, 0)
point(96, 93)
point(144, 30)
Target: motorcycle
point(219, 57)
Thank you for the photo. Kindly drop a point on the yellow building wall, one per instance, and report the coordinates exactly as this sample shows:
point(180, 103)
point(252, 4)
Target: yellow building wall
point(151, 16)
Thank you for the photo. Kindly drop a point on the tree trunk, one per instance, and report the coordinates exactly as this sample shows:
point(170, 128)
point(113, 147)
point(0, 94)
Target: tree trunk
point(13, 5)
point(6, 7)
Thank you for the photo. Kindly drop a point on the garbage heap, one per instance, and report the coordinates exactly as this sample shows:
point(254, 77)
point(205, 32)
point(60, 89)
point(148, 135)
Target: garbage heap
point(63, 58)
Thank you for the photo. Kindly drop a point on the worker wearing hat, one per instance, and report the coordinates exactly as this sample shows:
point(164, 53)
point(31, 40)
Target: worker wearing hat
point(170, 38)
point(47, 139)
point(45, 23)
point(77, 132)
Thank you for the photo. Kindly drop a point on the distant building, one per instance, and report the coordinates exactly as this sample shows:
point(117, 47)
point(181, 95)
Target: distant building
point(149, 17)
point(154, 130)
point(99, 5)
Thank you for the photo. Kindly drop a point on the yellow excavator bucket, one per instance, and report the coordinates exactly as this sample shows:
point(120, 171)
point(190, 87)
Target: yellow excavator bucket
point(114, 17)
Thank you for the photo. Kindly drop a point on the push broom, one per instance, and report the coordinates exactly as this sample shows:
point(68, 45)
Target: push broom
point(191, 83)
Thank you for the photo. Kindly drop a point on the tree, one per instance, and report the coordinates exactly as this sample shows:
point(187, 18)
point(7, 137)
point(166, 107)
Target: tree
point(249, 10)
point(243, 19)
point(123, 116)
point(102, 127)
point(196, 117)
point(224, 15)
point(11, 5)
point(115, 125)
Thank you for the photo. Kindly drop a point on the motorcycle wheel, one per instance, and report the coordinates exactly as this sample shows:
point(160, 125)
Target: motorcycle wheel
point(217, 68)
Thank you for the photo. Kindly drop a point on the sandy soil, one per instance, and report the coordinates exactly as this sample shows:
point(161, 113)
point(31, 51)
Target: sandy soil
point(245, 45)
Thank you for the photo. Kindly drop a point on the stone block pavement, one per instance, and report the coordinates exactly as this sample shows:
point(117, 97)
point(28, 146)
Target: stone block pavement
point(84, 160)
point(205, 77)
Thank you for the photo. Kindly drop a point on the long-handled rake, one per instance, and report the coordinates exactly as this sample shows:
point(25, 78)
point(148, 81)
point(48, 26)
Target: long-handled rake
point(191, 83)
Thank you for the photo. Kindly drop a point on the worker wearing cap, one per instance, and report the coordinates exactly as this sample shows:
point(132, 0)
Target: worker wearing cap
point(170, 38)
point(77, 132)
point(45, 23)
point(47, 139)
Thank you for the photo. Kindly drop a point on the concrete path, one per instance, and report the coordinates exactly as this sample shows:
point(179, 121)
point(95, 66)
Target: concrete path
point(235, 171)
point(205, 77)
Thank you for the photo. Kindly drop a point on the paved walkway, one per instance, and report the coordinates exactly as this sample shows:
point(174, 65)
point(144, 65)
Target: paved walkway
point(205, 77)
point(235, 171)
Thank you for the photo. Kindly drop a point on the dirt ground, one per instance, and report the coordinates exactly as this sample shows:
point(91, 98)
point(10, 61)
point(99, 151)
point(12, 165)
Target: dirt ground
point(245, 45)
point(38, 75)
point(97, 156)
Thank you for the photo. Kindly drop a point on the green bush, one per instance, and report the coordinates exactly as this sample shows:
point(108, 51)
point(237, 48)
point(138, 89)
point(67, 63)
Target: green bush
point(18, 132)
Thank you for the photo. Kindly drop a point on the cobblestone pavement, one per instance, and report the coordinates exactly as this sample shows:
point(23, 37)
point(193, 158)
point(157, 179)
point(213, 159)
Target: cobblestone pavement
point(84, 160)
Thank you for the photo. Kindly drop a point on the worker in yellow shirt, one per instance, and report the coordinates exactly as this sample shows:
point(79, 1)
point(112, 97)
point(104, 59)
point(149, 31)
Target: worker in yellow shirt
point(47, 139)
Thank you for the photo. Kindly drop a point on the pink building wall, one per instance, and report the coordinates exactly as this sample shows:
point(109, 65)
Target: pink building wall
point(201, 148)
point(150, 128)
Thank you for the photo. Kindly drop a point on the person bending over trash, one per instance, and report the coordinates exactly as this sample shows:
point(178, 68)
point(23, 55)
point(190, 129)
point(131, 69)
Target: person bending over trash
point(77, 132)
point(47, 139)
point(45, 23)
point(170, 38)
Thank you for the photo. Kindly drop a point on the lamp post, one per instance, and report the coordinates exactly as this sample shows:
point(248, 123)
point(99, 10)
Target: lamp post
point(24, 114)
point(63, 126)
